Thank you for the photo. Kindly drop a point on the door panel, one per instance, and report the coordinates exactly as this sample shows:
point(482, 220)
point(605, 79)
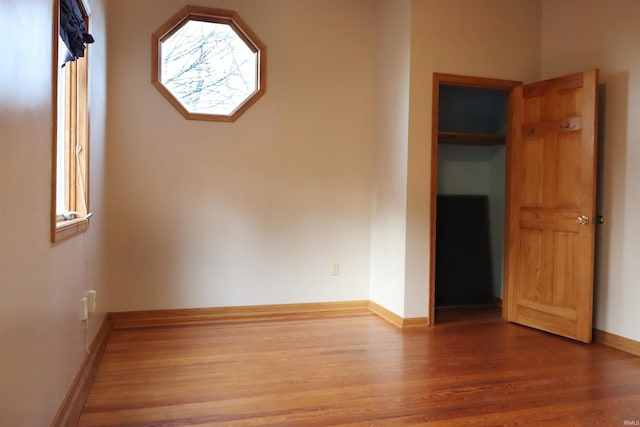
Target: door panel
point(532, 190)
point(567, 170)
point(552, 159)
point(531, 247)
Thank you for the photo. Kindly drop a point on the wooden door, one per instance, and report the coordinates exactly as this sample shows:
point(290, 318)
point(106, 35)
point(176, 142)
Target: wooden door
point(551, 198)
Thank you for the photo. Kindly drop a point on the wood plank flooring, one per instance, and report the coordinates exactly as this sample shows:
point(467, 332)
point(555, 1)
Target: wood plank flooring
point(356, 369)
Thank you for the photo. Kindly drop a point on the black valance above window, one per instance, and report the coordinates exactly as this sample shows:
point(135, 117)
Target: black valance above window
point(73, 30)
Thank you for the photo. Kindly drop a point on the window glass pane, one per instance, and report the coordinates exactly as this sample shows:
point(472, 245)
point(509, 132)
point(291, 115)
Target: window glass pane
point(208, 67)
point(61, 186)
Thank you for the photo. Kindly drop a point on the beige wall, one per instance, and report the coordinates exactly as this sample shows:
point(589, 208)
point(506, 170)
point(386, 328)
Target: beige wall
point(606, 35)
point(390, 151)
point(255, 212)
point(489, 38)
point(42, 339)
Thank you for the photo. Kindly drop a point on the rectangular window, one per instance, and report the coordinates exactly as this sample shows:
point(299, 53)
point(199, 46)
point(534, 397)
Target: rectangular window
point(70, 197)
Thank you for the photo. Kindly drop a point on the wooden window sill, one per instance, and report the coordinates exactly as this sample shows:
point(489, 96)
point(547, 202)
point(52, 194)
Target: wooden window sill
point(69, 228)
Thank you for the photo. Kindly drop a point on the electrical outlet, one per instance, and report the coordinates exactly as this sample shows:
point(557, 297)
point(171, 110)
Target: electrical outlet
point(335, 269)
point(85, 309)
point(92, 300)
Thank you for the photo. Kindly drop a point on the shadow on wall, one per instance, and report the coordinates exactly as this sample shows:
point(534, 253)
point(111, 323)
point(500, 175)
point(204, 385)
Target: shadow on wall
point(612, 169)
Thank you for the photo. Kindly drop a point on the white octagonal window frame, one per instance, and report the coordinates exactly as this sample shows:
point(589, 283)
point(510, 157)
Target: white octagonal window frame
point(208, 64)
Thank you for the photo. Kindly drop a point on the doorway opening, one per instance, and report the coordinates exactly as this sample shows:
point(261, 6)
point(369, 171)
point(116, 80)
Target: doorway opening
point(468, 191)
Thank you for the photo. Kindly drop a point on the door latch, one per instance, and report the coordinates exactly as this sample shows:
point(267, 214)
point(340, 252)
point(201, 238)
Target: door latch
point(582, 220)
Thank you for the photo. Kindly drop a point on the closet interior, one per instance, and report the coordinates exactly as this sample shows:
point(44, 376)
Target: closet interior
point(470, 195)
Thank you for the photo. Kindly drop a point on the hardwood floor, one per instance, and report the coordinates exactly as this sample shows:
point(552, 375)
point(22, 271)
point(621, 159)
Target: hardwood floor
point(356, 369)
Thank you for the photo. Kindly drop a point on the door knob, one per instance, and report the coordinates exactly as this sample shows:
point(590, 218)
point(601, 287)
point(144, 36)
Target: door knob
point(582, 220)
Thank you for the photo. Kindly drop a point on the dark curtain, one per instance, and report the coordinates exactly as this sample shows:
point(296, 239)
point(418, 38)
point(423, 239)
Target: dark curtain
point(73, 29)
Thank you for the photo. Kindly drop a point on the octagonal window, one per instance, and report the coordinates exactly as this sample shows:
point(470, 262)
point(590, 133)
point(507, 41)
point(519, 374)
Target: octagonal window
point(208, 64)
